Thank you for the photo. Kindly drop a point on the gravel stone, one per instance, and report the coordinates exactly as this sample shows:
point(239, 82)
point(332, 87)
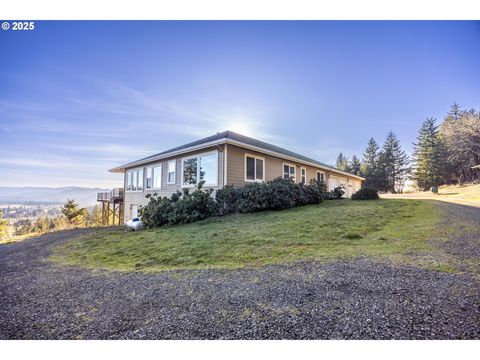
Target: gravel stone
point(358, 299)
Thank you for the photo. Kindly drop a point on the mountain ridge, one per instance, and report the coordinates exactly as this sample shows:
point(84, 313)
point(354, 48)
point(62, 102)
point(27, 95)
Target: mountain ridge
point(84, 196)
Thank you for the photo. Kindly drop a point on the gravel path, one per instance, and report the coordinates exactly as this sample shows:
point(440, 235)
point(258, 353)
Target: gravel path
point(358, 299)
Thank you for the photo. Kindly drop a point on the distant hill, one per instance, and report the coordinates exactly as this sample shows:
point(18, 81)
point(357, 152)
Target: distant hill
point(44, 195)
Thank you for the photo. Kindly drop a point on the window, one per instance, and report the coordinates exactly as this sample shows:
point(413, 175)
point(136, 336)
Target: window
point(320, 176)
point(140, 180)
point(190, 171)
point(171, 172)
point(254, 168)
point(149, 178)
point(157, 177)
point(129, 181)
point(135, 180)
point(304, 175)
point(203, 167)
point(208, 169)
point(289, 172)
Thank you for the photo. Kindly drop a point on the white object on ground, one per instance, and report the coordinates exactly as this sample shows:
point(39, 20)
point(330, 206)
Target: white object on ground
point(135, 224)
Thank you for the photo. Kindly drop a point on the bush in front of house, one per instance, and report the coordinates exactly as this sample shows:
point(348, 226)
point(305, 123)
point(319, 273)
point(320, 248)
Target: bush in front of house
point(181, 208)
point(338, 192)
point(156, 212)
point(277, 194)
point(185, 207)
point(226, 199)
point(365, 194)
point(253, 197)
point(314, 193)
point(282, 194)
point(189, 206)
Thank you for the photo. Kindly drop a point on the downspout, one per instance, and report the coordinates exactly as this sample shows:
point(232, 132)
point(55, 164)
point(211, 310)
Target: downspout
point(225, 165)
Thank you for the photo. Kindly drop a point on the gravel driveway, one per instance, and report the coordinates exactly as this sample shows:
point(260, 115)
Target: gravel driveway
point(359, 299)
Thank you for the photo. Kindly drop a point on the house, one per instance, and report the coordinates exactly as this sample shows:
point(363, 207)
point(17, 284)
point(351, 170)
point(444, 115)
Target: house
point(227, 158)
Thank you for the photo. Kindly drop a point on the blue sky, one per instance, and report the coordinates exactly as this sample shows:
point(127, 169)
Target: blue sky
point(78, 98)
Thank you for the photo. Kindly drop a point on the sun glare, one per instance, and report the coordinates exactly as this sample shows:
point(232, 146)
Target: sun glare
point(241, 125)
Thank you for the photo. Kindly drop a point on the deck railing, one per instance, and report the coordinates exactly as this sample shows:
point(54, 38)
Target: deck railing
point(114, 194)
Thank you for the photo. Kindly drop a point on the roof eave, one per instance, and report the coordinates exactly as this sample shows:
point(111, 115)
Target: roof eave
point(123, 168)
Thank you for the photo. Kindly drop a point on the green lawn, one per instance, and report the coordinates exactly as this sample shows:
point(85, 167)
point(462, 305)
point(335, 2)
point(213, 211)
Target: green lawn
point(391, 229)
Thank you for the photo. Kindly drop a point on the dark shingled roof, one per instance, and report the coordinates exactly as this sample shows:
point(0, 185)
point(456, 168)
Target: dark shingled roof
point(241, 138)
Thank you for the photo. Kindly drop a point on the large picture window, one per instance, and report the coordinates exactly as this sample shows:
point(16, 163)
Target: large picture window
point(157, 177)
point(254, 168)
point(208, 169)
point(203, 167)
point(289, 172)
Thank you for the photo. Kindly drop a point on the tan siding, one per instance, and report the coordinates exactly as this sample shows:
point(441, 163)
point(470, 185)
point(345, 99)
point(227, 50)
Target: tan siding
point(273, 168)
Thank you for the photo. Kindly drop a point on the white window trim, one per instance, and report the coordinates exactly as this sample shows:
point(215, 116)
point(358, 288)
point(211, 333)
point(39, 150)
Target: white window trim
point(143, 180)
point(294, 168)
point(198, 156)
point(255, 167)
point(306, 178)
point(324, 176)
point(153, 177)
point(174, 171)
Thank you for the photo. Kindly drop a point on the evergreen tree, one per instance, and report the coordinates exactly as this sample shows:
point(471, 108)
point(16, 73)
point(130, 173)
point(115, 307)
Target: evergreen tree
point(355, 165)
point(370, 165)
point(429, 156)
point(455, 113)
point(74, 215)
point(394, 164)
point(342, 163)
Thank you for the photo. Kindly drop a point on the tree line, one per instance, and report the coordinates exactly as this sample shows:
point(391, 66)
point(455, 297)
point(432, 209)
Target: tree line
point(73, 217)
point(443, 154)
point(384, 168)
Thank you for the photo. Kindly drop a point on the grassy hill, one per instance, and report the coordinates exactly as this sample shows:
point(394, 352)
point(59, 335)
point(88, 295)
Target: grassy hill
point(390, 229)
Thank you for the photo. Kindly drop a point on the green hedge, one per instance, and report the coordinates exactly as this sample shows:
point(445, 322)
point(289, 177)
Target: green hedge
point(186, 206)
point(182, 207)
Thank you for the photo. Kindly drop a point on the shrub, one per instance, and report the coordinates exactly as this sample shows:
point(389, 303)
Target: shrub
point(282, 194)
point(226, 199)
point(338, 192)
point(189, 207)
point(156, 212)
point(312, 194)
point(253, 197)
point(182, 207)
point(365, 194)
